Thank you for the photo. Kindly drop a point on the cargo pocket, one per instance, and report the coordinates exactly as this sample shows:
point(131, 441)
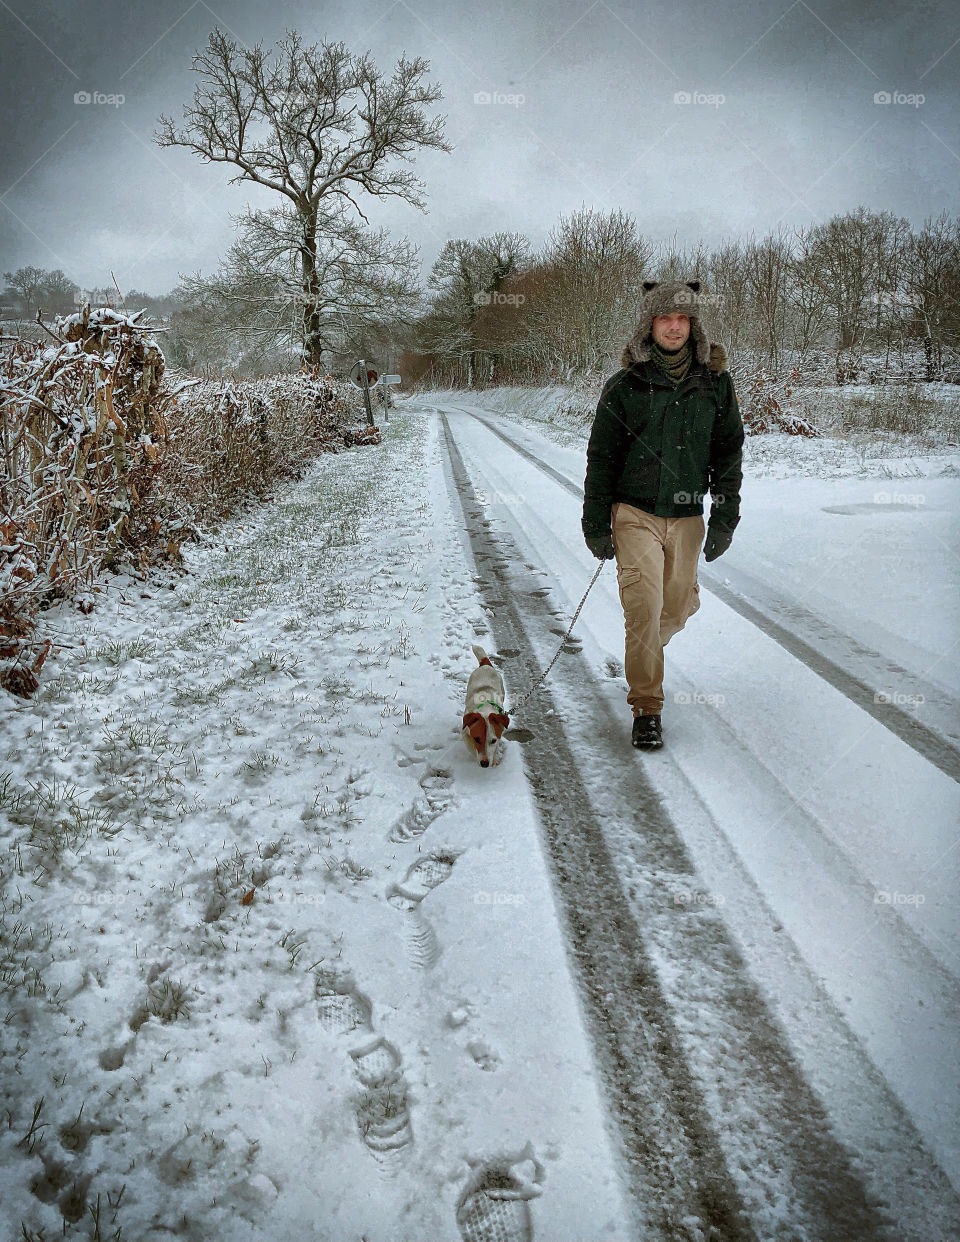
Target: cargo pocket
point(693, 603)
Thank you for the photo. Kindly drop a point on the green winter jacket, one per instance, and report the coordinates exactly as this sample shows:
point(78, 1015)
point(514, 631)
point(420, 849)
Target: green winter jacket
point(662, 448)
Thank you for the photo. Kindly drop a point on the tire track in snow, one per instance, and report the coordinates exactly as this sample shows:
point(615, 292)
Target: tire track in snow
point(798, 1181)
point(932, 744)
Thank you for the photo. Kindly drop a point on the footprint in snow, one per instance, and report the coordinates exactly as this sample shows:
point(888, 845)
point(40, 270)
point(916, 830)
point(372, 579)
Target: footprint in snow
point(47, 1185)
point(340, 1007)
point(438, 796)
point(383, 1115)
point(495, 1206)
point(376, 1063)
point(422, 877)
point(425, 875)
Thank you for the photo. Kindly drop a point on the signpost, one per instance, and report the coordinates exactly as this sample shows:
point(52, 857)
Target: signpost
point(382, 383)
point(362, 376)
point(365, 377)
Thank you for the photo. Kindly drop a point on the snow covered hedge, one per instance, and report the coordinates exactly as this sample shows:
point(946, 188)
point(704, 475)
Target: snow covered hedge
point(104, 459)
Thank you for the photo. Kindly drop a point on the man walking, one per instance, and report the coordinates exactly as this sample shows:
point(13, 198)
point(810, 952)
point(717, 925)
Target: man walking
point(667, 429)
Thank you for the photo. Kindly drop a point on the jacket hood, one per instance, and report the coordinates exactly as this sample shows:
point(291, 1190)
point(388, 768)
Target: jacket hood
point(663, 299)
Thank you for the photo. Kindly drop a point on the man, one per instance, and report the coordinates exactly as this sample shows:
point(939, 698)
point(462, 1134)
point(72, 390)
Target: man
point(667, 429)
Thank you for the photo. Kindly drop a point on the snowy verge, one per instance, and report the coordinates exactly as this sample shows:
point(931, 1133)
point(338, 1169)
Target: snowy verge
point(277, 959)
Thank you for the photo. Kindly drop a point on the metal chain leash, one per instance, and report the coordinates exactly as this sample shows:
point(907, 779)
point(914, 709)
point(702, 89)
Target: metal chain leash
point(511, 710)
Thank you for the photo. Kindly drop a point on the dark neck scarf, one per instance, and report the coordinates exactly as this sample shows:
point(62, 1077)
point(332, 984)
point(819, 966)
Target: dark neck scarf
point(675, 365)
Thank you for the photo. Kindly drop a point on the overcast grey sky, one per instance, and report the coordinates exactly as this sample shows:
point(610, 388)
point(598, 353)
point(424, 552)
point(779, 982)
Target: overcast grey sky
point(797, 137)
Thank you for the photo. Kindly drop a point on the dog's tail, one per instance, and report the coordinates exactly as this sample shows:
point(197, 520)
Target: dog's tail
point(480, 654)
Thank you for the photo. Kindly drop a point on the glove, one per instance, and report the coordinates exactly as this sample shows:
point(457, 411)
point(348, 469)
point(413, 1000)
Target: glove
point(602, 547)
point(716, 543)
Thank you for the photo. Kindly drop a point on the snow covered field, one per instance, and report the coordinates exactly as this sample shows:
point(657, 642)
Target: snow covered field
point(281, 962)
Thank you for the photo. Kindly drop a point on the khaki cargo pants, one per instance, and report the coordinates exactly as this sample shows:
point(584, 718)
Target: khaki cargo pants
point(657, 576)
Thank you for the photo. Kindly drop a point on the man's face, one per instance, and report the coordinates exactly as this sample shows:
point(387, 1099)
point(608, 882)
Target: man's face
point(670, 331)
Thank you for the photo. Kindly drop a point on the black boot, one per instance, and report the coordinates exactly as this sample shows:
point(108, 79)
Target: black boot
point(646, 732)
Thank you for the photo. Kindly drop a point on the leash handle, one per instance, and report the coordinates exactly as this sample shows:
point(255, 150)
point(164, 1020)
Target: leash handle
point(509, 711)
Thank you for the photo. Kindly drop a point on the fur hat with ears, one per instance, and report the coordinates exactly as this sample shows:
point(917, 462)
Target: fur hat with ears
point(673, 296)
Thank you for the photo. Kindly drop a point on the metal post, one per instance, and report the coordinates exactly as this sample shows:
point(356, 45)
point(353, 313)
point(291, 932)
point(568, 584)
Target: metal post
point(366, 391)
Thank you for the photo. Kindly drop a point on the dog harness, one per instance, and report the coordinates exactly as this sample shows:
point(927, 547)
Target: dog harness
point(490, 703)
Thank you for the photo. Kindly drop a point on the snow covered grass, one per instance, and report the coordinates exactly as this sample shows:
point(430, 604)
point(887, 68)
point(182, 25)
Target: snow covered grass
point(929, 412)
point(199, 743)
point(213, 882)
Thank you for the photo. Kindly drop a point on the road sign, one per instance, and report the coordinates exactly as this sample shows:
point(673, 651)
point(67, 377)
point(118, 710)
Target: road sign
point(356, 375)
point(363, 374)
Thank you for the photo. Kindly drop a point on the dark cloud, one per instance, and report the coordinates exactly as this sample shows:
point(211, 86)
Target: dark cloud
point(583, 108)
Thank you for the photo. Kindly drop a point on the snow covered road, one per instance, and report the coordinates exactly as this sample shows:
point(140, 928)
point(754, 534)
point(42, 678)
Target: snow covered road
point(280, 962)
point(814, 820)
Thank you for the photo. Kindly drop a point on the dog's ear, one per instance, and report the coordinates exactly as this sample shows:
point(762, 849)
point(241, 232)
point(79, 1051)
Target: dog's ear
point(500, 721)
point(477, 727)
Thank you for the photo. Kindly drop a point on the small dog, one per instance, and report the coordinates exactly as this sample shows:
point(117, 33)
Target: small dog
point(484, 720)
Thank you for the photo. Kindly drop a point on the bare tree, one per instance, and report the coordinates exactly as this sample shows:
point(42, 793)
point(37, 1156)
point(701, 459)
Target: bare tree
point(847, 252)
point(315, 124)
point(468, 277)
point(359, 275)
point(27, 283)
point(675, 262)
point(594, 265)
point(767, 266)
point(932, 287)
point(806, 293)
point(727, 276)
point(53, 292)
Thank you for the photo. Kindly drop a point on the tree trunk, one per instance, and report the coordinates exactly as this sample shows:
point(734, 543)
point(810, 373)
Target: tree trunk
point(312, 343)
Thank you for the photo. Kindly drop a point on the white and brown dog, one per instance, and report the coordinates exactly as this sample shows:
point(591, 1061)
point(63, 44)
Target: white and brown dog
point(484, 720)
